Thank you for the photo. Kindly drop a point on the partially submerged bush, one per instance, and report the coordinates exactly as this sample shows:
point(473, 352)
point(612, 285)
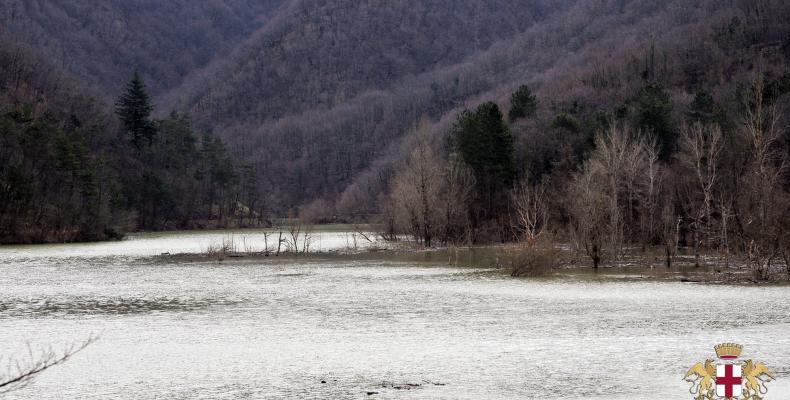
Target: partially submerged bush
point(221, 250)
point(536, 260)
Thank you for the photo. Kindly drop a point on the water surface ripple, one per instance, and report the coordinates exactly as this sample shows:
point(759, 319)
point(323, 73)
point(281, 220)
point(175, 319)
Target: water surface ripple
point(277, 328)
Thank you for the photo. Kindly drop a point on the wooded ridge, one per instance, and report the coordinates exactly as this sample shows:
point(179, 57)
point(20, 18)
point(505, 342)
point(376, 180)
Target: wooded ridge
point(645, 122)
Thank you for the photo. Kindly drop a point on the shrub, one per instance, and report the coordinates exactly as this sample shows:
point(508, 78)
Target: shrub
point(539, 259)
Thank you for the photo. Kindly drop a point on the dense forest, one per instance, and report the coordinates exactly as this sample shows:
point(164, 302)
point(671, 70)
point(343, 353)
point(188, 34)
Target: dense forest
point(342, 148)
point(74, 169)
point(713, 182)
point(607, 124)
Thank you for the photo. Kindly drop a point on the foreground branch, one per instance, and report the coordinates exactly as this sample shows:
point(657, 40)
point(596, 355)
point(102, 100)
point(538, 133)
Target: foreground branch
point(20, 373)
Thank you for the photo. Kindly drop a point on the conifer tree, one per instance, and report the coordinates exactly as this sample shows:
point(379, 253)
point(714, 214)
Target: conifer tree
point(522, 104)
point(134, 109)
point(654, 116)
point(485, 143)
point(702, 108)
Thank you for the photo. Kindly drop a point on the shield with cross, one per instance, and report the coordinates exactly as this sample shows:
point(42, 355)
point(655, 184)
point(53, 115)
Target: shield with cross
point(728, 380)
point(728, 374)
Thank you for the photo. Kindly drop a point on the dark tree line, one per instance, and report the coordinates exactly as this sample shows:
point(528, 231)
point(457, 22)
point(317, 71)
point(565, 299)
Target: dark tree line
point(483, 141)
point(53, 188)
point(70, 171)
point(178, 178)
point(659, 143)
point(711, 178)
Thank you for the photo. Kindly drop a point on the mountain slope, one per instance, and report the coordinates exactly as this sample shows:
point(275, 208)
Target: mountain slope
point(70, 171)
point(54, 183)
point(342, 146)
point(318, 53)
point(322, 96)
point(102, 42)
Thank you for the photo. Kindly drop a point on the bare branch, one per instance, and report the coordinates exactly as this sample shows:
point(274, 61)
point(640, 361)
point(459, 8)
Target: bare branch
point(20, 373)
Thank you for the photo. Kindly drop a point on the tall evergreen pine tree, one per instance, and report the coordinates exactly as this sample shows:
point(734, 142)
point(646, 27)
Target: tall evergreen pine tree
point(485, 143)
point(134, 109)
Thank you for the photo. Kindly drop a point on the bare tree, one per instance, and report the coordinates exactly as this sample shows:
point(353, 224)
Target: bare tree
point(294, 231)
point(299, 233)
point(266, 243)
point(653, 181)
point(725, 212)
point(588, 205)
point(611, 161)
point(21, 372)
point(459, 183)
point(701, 147)
point(531, 210)
point(762, 204)
point(416, 194)
point(670, 232)
point(363, 231)
point(308, 231)
point(388, 218)
point(281, 238)
point(621, 174)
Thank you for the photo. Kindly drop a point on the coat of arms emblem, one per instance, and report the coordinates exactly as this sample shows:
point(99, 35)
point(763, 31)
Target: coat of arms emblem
point(730, 378)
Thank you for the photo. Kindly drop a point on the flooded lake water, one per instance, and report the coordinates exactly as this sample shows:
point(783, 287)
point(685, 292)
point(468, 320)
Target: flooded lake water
point(364, 327)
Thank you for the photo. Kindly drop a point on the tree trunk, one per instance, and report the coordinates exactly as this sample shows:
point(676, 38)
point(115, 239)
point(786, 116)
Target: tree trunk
point(669, 256)
point(696, 245)
point(596, 257)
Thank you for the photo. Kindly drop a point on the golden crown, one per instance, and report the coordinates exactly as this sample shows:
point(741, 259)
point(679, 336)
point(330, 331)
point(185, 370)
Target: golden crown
point(728, 350)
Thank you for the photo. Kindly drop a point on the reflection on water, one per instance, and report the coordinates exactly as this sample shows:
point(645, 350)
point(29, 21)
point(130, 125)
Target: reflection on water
point(337, 328)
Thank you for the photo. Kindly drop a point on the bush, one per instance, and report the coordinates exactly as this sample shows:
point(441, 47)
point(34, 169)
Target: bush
point(539, 259)
point(220, 251)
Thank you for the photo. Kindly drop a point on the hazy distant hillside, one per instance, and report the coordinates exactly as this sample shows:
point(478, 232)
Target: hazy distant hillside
point(102, 41)
point(321, 53)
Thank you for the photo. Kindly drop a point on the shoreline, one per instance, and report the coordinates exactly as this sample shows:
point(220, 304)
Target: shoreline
point(540, 261)
point(646, 266)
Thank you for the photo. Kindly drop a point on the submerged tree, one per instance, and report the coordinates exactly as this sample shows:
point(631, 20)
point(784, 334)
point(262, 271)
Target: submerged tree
point(416, 193)
point(457, 192)
point(614, 187)
point(430, 196)
point(530, 205)
point(588, 222)
point(762, 204)
point(701, 147)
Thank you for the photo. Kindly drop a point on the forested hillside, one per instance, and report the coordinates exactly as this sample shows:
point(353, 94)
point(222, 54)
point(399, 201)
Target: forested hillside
point(52, 142)
point(317, 54)
point(337, 138)
point(71, 170)
point(102, 42)
point(323, 102)
point(670, 132)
